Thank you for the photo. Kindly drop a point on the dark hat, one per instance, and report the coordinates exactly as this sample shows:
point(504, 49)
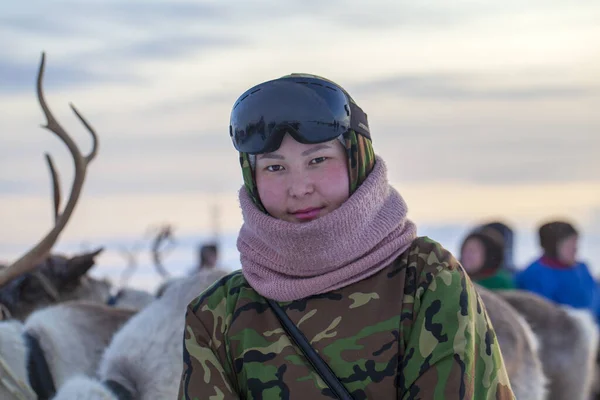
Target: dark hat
point(508, 239)
point(552, 233)
point(493, 243)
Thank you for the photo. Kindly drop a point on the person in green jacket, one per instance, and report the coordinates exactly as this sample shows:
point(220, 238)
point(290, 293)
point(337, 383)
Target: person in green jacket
point(326, 238)
point(482, 255)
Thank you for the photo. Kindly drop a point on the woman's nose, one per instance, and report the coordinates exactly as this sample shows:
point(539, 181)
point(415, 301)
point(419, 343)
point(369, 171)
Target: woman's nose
point(300, 185)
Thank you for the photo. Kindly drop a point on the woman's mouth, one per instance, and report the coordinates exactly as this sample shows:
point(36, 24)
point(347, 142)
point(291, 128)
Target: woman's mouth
point(307, 214)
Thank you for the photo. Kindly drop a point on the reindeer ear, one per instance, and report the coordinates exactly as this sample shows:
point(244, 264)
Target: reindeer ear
point(10, 294)
point(4, 312)
point(79, 265)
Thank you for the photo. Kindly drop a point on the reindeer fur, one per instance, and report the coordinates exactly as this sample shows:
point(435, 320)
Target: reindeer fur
point(13, 353)
point(83, 387)
point(145, 356)
point(133, 299)
point(73, 336)
point(568, 343)
point(519, 347)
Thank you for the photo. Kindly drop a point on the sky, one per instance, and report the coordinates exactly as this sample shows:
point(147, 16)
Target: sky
point(481, 110)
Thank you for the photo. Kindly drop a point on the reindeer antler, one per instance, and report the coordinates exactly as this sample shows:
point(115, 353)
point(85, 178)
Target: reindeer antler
point(163, 235)
point(130, 256)
point(41, 250)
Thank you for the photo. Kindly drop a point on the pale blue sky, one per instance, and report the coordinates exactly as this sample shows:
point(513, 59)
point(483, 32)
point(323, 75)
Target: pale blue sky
point(480, 109)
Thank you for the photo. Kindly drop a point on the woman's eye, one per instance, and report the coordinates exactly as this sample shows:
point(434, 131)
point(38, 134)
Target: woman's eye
point(274, 168)
point(318, 160)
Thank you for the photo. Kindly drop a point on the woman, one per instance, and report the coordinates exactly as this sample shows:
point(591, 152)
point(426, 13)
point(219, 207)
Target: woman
point(482, 256)
point(326, 237)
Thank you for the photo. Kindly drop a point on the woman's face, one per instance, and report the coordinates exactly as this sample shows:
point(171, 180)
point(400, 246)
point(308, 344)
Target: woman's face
point(473, 255)
point(567, 250)
point(302, 182)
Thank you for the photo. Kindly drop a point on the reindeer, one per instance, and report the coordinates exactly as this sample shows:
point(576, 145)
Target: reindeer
point(128, 297)
point(519, 346)
point(568, 343)
point(143, 361)
point(35, 279)
point(153, 372)
point(54, 280)
point(162, 240)
point(54, 344)
point(38, 279)
point(131, 368)
point(544, 345)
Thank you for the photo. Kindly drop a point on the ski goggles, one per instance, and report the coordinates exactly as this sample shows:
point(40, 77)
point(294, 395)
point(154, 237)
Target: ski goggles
point(311, 109)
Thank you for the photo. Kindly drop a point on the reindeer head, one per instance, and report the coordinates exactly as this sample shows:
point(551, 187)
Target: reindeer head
point(37, 276)
point(58, 278)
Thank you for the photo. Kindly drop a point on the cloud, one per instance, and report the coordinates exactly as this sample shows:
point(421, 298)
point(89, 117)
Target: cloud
point(482, 152)
point(152, 164)
point(149, 13)
point(36, 25)
point(111, 45)
point(437, 15)
point(392, 15)
point(489, 152)
point(175, 45)
point(460, 87)
point(113, 63)
point(10, 186)
point(68, 17)
point(18, 77)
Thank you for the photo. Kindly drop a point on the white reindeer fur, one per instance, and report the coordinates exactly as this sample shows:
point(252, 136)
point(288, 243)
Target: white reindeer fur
point(534, 371)
point(587, 349)
point(145, 356)
point(73, 336)
point(99, 291)
point(83, 387)
point(13, 352)
point(134, 299)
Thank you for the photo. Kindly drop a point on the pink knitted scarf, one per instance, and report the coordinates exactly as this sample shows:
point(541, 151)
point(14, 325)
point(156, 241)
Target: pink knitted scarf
point(288, 261)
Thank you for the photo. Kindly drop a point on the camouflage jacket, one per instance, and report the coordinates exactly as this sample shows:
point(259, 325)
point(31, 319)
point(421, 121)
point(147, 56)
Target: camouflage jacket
point(415, 330)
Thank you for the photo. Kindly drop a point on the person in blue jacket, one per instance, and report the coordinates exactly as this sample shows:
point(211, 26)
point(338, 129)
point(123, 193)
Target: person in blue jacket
point(558, 275)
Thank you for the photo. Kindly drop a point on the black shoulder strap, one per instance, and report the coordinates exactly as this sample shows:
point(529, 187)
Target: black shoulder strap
point(317, 362)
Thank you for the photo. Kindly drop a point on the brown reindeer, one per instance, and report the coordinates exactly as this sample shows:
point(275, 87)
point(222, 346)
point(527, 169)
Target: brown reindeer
point(32, 258)
point(38, 278)
point(56, 279)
